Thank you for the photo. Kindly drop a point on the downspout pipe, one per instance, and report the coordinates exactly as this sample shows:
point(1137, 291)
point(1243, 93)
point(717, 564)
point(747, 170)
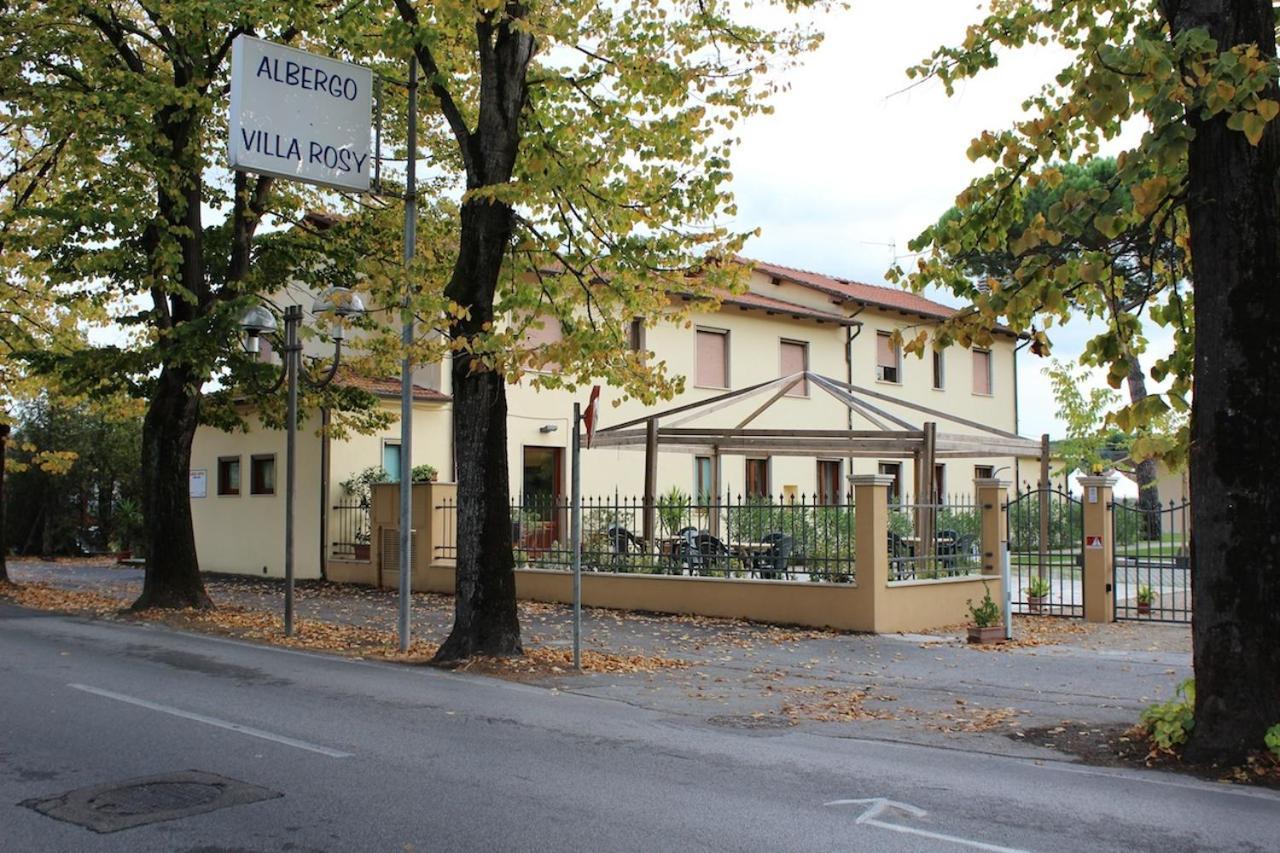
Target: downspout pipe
point(851, 333)
point(1017, 465)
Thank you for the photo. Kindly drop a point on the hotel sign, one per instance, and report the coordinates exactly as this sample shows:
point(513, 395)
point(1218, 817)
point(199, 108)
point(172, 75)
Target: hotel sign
point(299, 116)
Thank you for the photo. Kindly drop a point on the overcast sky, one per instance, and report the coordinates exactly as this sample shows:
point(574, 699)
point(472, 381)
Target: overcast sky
point(845, 172)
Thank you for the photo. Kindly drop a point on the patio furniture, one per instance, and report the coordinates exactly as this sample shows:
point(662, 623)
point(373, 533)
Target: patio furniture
point(901, 554)
point(771, 562)
point(699, 551)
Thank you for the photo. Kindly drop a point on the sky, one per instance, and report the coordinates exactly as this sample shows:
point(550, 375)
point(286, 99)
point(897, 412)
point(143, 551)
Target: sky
point(850, 167)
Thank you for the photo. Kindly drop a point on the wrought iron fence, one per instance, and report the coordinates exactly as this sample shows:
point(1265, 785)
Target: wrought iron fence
point(349, 531)
point(1151, 555)
point(763, 538)
point(1046, 552)
point(934, 540)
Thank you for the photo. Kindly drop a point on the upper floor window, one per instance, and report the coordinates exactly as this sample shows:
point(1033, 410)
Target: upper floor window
point(939, 370)
point(795, 359)
point(888, 358)
point(712, 368)
point(982, 371)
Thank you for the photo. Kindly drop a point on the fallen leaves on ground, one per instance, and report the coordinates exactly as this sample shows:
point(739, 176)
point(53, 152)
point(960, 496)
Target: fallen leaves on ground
point(45, 597)
point(976, 720)
point(830, 705)
point(537, 662)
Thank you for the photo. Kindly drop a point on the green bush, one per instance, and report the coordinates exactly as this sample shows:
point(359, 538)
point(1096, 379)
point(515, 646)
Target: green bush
point(673, 510)
point(1169, 724)
point(986, 613)
point(1038, 588)
point(1272, 740)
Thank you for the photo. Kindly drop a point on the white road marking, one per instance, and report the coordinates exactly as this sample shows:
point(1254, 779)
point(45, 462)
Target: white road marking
point(877, 806)
point(213, 721)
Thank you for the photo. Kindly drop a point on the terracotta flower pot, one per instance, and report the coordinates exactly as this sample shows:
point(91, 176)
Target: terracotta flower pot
point(1144, 608)
point(1035, 603)
point(989, 634)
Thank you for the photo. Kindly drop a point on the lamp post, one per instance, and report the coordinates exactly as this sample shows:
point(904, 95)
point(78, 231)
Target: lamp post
point(259, 321)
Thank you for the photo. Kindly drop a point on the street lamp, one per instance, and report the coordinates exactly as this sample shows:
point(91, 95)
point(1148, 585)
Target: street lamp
point(259, 321)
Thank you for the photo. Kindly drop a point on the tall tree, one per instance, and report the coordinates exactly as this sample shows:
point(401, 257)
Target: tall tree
point(1199, 76)
point(118, 106)
point(592, 142)
point(1129, 254)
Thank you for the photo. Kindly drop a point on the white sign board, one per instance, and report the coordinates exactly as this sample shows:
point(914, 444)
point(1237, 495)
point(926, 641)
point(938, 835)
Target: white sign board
point(299, 116)
point(198, 483)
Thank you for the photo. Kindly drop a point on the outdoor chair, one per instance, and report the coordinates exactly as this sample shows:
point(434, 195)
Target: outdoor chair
point(901, 564)
point(947, 548)
point(772, 563)
point(700, 551)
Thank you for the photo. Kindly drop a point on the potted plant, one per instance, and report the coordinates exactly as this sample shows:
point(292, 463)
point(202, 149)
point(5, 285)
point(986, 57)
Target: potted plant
point(424, 473)
point(1146, 595)
point(1037, 593)
point(986, 619)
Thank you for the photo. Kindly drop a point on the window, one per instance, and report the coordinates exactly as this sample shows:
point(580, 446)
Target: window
point(829, 482)
point(795, 359)
point(712, 359)
point(550, 332)
point(894, 470)
point(704, 487)
point(982, 371)
point(757, 478)
point(939, 370)
point(635, 335)
point(888, 359)
point(228, 475)
point(262, 474)
point(391, 460)
point(983, 472)
point(940, 484)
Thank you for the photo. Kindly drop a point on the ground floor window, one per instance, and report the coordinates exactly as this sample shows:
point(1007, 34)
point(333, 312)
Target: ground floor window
point(704, 486)
point(757, 478)
point(262, 474)
point(829, 491)
point(894, 470)
point(228, 475)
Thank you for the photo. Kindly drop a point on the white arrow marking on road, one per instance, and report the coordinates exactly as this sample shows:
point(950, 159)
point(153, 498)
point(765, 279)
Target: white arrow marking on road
point(877, 806)
point(212, 721)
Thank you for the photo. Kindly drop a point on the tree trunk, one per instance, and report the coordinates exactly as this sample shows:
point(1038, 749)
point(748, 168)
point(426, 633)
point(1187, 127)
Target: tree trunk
point(1145, 470)
point(485, 621)
point(4, 537)
point(173, 573)
point(1233, 210)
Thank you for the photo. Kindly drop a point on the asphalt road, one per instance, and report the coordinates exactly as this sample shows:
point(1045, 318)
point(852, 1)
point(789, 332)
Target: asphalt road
point(371, 756)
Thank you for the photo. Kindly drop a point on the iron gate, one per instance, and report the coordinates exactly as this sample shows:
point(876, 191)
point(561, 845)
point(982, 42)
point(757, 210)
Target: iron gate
point(1046, 552)
point(1152, 561)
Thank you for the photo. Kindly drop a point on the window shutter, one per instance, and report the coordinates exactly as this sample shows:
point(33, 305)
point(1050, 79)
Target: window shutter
point(885, 356)
point(981, 372)
point(795, 358)
point(712, 362)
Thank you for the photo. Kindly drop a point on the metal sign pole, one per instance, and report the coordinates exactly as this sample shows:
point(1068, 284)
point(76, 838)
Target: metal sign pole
point(575, 528)
point(292, 355)
point(1005, 583)
point(406, 364)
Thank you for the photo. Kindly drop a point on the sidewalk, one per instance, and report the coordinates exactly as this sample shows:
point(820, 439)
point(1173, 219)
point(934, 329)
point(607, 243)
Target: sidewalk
point(1062, 675)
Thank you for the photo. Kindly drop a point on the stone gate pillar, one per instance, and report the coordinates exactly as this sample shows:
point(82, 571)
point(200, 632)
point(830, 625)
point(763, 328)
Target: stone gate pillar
point(1099, 571)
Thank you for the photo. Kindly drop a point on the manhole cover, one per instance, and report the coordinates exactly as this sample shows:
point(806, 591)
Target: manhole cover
point(749, 721)
point(134, 802)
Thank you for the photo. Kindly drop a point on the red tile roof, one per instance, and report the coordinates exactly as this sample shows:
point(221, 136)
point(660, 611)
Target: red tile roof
point(847, 290)
point(769, 304)
point(387, 387)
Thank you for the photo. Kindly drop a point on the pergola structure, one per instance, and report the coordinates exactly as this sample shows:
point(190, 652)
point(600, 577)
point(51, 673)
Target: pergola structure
point(891, 435)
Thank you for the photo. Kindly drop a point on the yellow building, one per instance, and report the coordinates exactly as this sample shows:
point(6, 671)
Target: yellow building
point(789, 320)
